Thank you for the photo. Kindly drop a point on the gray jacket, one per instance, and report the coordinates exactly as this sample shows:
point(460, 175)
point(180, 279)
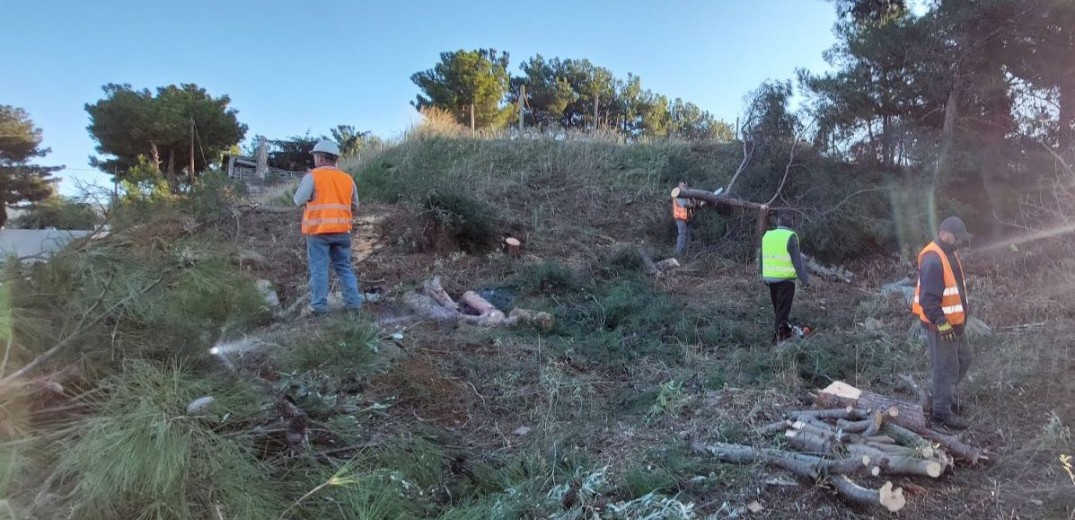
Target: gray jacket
point(305, 192)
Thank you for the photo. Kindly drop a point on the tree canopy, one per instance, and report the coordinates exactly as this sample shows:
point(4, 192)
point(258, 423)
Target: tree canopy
point(470, 84)
point(161, 127)
point(20, 143)
point(559, 93)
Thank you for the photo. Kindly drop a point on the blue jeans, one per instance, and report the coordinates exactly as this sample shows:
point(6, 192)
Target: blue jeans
point(683, 237)
point(320, 251)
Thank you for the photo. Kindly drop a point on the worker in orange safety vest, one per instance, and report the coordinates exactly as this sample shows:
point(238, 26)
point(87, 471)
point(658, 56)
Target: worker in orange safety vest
point(330, 198)
point(683, 213)
point(940, 303)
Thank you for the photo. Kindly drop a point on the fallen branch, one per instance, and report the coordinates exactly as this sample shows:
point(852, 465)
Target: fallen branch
point(836, 274)
point(433, 289)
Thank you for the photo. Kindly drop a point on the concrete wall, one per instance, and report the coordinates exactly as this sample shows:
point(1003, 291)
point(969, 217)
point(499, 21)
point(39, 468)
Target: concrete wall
point(35, 243)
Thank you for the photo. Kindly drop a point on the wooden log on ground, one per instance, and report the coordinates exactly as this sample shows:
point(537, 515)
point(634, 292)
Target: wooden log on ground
point(835, 470)
point(476, 303)
point(808, 466)
point(905, 437)
point(846, 412)
point(889, 497)
point(428, 308)
point(853, 426)
point(835, 274)
point(898, 463)
point(957, 447)
point(821, 430)
point(904, 413)
point(875, 424)
point(666, 265)
point(775, 428)
point(809, 442)
point(921, 394)
point(433, 289)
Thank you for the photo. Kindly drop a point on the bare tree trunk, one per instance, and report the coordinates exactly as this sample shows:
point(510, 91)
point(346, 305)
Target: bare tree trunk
point(472, 117)
point(1067, 114)
point(155, 155)
point(170, 172)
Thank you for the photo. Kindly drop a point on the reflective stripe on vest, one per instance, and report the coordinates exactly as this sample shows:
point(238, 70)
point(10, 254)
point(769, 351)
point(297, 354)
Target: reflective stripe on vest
point(951, 301)
point(330, 209)
point(680, 212)
point(776, 262)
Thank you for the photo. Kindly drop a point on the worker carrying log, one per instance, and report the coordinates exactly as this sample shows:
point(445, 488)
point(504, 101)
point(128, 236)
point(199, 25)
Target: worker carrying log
point(781, 264)
point(940, 302)
point(683, 213)
point(330, 198)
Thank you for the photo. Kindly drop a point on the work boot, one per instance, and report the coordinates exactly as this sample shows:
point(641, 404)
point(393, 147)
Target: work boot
point(951, 422)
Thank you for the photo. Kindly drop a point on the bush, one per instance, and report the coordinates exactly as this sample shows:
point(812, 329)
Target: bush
point(471, 223)
point(546, 278)
point(60, 213)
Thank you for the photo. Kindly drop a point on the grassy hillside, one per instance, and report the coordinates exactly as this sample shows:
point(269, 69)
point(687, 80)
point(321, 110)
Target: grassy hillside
point(413, 419)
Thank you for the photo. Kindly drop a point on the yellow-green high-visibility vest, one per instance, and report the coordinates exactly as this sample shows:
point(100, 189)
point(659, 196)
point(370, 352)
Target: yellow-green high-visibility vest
point(775, 260)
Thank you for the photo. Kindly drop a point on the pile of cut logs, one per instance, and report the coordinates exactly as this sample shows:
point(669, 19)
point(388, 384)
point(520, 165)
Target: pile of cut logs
point(856, 432)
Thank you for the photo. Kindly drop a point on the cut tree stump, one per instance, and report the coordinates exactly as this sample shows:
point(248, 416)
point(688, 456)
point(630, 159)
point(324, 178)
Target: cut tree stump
point(903, 413)
point(513, 247)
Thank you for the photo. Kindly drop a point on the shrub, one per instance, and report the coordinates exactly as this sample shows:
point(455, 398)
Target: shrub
point(60, 213)
point(471, 223)
point(546, 278)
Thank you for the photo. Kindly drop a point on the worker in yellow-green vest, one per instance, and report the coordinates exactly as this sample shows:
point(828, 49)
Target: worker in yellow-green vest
point(781, 265)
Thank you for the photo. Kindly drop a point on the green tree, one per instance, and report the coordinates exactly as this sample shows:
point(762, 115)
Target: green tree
point(129, 123)
point(353, 142)
point(60, 213)
point(471, 84)
point(20, 143)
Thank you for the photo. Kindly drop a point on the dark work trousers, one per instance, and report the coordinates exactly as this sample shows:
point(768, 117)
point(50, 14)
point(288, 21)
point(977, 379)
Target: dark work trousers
point(949, 361)
point(782, 294)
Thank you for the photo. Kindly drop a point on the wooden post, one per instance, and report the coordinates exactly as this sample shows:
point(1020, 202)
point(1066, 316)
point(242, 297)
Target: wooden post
point(472, 117)
point(522, 103)
point(262, 158)
point(192, 155)
point(596, 98)
point(763, 222)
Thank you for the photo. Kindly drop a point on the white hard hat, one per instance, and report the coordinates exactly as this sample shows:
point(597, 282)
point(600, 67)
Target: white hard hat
point(326, 146)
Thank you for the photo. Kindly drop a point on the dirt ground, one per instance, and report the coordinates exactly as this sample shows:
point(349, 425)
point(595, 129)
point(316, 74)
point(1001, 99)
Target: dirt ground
point(498, 392)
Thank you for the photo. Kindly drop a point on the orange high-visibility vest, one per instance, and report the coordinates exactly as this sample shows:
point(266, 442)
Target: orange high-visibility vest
point(330, 209)
point(680, 212)
point(951, 302)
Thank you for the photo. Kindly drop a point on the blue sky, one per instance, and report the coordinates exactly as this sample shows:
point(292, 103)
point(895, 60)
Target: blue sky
point(291, 67)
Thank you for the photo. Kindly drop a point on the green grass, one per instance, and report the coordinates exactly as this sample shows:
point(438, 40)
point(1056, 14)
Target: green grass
point(140, 456)
point(342, 346)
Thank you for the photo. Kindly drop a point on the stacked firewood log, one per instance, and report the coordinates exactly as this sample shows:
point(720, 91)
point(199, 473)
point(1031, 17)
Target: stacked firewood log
point(855, 433)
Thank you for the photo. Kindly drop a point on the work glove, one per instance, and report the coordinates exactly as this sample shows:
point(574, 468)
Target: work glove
point(947, 332)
